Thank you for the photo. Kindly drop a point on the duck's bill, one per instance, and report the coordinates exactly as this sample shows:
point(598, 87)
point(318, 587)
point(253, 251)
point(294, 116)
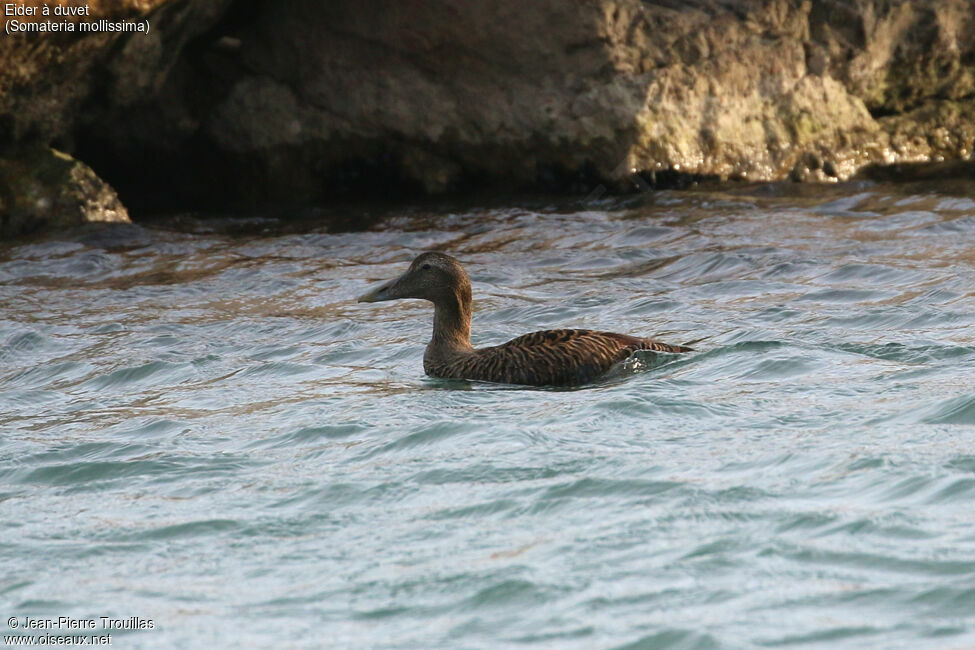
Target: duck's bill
point(377, 294)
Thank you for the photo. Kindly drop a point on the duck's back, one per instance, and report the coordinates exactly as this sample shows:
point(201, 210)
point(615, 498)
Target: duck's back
point(549, 358)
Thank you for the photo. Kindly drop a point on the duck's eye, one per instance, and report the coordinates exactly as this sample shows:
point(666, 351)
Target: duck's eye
point(425, 267)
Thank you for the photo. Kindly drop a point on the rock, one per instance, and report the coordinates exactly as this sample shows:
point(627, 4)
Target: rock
point(247, 101)
point(54, 84)
point(811, 166)
point(44, 188)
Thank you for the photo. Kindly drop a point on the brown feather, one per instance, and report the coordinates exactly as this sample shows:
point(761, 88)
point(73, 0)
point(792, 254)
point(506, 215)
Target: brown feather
point(565, 357)
point(547, 358)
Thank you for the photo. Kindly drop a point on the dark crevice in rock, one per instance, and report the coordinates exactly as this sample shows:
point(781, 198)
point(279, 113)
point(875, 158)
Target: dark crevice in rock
point(669, 179)
point(911, 172)
point(877, 112)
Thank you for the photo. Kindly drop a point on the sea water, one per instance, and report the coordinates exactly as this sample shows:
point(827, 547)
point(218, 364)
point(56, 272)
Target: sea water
point(201, 429)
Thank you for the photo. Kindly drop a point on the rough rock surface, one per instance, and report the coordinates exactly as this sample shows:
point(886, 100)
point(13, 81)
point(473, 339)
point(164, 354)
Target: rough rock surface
point(254, 99)
point(52, 84)
point(44, 188)
point(519, 92)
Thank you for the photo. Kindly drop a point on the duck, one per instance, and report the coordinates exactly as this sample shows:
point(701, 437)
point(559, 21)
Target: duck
point(561, 357)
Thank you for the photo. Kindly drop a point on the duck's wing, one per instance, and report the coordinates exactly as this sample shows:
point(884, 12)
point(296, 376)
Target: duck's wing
point(555, 357)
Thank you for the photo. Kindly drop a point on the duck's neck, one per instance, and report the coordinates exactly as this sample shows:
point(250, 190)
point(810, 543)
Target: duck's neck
point(452, 320)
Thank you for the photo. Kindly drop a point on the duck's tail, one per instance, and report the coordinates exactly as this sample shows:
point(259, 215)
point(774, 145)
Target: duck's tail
point(660, 346)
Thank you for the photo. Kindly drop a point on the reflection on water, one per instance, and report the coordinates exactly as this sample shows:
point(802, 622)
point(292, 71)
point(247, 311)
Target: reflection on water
point(202, 428)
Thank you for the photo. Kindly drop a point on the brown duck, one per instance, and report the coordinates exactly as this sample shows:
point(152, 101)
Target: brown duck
point(547, 358)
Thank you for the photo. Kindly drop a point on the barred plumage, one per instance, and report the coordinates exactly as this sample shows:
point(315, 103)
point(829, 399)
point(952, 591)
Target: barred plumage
point(565, 357)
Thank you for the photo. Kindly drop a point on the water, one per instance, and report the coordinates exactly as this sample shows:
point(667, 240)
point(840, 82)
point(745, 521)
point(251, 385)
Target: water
point(204, 430)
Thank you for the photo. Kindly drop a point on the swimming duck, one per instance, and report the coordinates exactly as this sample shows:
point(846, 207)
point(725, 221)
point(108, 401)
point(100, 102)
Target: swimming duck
point(548, 358)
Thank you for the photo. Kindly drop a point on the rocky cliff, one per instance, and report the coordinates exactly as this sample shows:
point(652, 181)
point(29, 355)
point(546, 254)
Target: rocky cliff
point(230, 101)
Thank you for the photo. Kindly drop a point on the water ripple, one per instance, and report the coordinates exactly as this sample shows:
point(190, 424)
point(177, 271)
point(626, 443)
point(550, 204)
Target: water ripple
point(205, 428)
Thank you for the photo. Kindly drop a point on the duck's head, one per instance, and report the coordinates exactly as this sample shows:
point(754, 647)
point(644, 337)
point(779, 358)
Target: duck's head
point(435, 277)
